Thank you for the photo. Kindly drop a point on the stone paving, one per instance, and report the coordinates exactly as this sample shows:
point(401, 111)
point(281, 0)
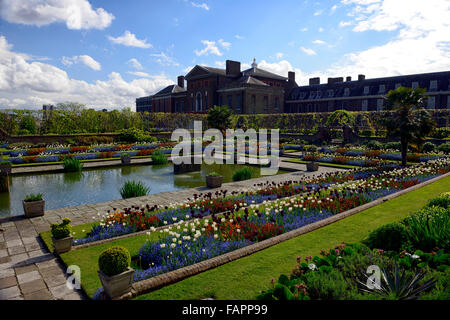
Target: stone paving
point(29, 271)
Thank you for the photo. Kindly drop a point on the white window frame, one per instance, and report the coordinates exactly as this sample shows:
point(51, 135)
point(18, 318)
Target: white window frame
point(379, 104)
point(382, 88)
point(364, 105)
point(431, 102)
point(433, 84)
point(415, 85)
point(366, 90)
point(346, 92)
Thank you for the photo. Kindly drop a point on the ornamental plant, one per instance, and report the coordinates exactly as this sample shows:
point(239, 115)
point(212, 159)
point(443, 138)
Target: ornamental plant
point(72, 164)
point(33, 197)
point(158, 157)
point(132, 189)
point(214, 174)
point(62, 230)
point(242, 174)
point(388, 237)
point(114, 261)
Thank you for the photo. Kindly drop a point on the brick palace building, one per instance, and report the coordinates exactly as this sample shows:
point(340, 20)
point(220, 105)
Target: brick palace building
point(256, 91)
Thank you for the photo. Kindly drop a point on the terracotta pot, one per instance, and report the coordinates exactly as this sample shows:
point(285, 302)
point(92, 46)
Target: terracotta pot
point(312, 166)
point(213, 182)
point(115, 286)
point(33, 208)
point(62, 245)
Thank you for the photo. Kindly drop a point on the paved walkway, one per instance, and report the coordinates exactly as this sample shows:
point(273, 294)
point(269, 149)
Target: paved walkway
point(29, 271)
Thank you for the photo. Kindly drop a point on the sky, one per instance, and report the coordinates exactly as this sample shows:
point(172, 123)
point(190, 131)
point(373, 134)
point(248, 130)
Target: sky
point(107, 53)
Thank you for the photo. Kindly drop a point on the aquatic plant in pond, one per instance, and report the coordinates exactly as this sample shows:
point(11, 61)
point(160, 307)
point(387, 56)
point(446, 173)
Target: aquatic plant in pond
point(132, 189)
point(72, 165)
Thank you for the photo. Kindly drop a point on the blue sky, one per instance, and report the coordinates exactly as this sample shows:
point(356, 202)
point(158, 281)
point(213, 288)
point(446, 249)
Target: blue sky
point(106, 53)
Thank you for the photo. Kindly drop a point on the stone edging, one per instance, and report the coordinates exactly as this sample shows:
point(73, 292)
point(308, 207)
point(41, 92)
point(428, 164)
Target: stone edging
point(159, 281)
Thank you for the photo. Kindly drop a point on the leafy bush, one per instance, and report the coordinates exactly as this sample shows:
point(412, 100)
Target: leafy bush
point(429, 229)
point(5, 162)
point(445, 147)
point(158, 157)
point(33, 197)
point(62, 230)
point(242, 174)
point(72, 164)
point(285, 289)
point(374, 145)
point(339, 118)
point(393, 145)
point(310, 148)
point(114, 261)
point(441, 133)
point(135, 135)
point(133, 189)
point(442, 201)
point(428, 147)
point(367, 132)
point(388, 237)
point(214, 174)
point(219, 118)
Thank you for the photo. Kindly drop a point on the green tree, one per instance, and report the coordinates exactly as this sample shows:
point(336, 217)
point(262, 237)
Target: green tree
point(408, 120)
point(28, 124)
point(219, 117)
point(339, 118)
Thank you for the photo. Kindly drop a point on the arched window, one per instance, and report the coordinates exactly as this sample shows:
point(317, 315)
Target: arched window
point(198, 102)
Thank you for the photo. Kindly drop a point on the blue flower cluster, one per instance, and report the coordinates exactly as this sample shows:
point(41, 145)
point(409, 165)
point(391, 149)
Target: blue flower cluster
point(102, 232)
point(293, 147)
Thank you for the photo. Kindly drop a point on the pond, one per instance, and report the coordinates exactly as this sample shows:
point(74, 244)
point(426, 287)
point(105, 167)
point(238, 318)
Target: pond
point(100, 185)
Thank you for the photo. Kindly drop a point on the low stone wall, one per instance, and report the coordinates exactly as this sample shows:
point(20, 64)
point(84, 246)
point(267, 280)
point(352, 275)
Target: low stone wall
point(48, 139)
point(163, 280)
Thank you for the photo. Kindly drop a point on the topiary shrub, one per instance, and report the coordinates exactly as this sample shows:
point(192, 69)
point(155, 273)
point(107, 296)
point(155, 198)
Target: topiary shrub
point(442, 201)
point(62, 230)
point(445, 148)
point(374, 145)
point(135, 135)
point(393, 145)
point(310, 148)
point(428, 147)
point(114, 260)
point(242, 174)
point(389, 237)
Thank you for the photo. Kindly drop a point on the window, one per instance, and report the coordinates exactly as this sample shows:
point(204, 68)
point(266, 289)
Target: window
point(198, 102)
point(398, 85)
point(206, 83)
point(433, 84)
point(312, 94)
point(346, 92)
point(330, 93)
point(379, 104)
point(415, 85)
point(382, 88)
point(431, 102)
point(206, 101)
point(319, 95)
point(330, 106)
point(253, 103)
point(366, 90)
point(230, 101)
point(364, 105)
point(266, 103)
point(238, 104)
point(277, 102)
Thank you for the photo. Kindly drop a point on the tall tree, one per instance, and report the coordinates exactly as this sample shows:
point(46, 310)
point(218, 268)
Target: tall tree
point(219, 118)
point(408, 120)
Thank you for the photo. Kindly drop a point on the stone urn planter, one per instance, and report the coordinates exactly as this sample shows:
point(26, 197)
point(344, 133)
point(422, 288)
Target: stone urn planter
point(312, 166)
point(5, 168)
point(214, 181)
point(62, 245)
point(125, 159)
point(118, 284)
point(33, 208)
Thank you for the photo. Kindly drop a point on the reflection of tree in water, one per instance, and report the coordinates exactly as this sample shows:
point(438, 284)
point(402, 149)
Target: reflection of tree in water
point(126, 170)
point(73, 177)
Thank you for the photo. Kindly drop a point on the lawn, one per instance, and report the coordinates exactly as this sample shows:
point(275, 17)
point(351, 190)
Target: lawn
point(323, 164)
point(244, 278)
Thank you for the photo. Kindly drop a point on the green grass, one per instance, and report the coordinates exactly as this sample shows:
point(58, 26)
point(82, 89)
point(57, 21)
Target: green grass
point(245, 277)
point(79, 233)
point(323, 164)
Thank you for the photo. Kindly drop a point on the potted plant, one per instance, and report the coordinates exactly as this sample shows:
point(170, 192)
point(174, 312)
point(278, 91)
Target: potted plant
point(33, 205)
point(5, 167)
point(214, 180)
point(125, 158)
point(115, 272)
point(61, 236)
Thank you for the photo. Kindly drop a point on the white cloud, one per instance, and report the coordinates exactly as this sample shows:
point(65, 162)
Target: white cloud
point(220, 64)
point(281, 67)
point(279, 55)
point(129, 39)
point(318, 12)
point(135, 64)
point(200, 5)
point(85, 59)
point(319, 42)
point(210, 48)
point(345, 23)
point(333, 8)
point(239, 37)
point(309, 52)
point(27, 83)
point(187, 69)
point(164, 60)
point(304, 29)
point(224, 44)
point(77, 14)
point(139, 74)
point(320, 29)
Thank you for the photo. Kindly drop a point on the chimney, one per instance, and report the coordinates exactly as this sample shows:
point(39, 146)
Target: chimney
point(181, 81)
point(332, 81)
point(233, 68)
point(314, 81)
point(349, 79)
point(291, 76)
point(361, 77)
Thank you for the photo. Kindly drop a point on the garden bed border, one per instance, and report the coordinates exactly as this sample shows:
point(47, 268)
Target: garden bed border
point(162, 280)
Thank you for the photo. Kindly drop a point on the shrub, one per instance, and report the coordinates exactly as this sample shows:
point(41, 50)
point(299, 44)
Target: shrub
point(214, 174)
point(429, 228)
point(133, 189)
point(135, 135)
point(219, 118)
point(72, 165)
point(445, 148)
point(442, 201)
point(388, 237)
point(374, 145)
point(4, 163)
point(310, 148)
point(428, 147)
point(393, 145)
point(62, 230)
point(367, 132)
point(114, 260)
point(441, 133)
point(242, 174)
point(158, 157)
point(33, 197)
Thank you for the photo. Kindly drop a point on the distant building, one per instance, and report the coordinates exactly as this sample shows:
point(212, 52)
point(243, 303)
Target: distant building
point(257, 91)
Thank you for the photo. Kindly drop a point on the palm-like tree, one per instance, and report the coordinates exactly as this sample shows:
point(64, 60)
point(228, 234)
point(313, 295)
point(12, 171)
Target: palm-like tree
point(408, 121)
